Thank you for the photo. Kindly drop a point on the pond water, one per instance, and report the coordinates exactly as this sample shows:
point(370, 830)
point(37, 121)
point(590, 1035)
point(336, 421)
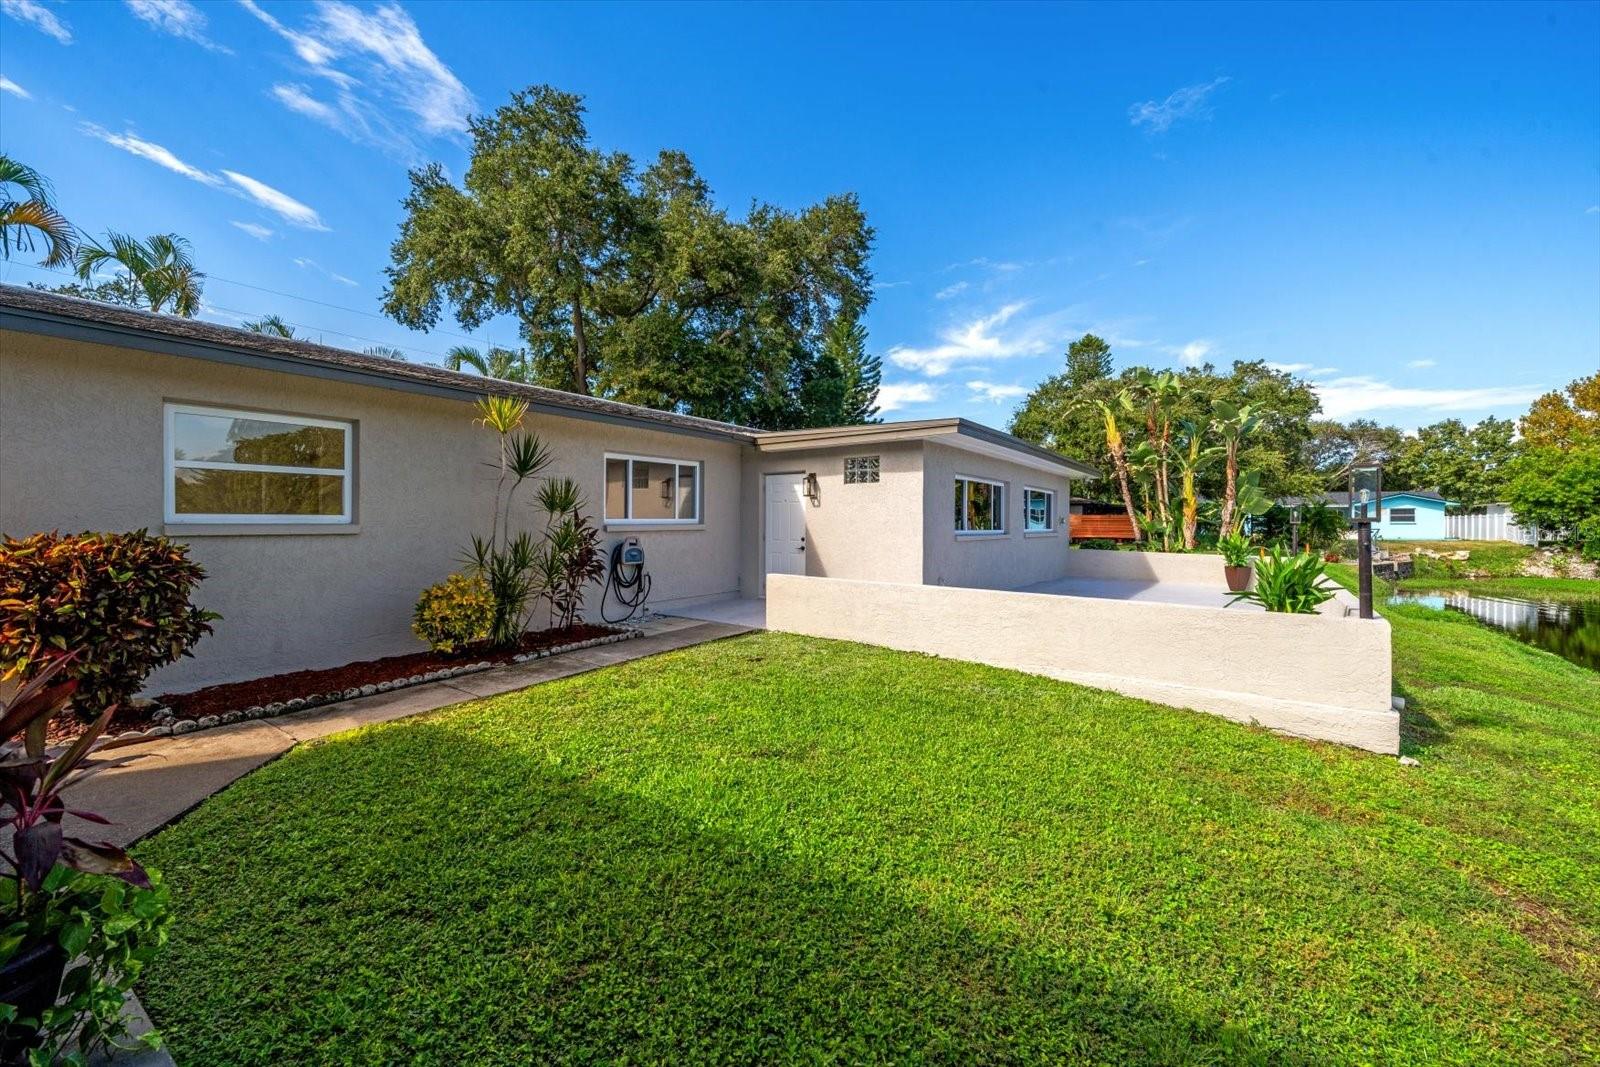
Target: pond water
point(1570, 630)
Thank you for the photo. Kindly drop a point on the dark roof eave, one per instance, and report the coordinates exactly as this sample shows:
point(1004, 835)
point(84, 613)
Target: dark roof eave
point(50, 314)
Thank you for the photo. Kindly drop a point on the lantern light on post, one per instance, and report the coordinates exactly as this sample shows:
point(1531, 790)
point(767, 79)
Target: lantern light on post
point(1294, 528)
point(1366, 489)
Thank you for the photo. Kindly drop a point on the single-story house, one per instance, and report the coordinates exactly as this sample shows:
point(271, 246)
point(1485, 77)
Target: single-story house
point(1408, 514)
point(115, 419)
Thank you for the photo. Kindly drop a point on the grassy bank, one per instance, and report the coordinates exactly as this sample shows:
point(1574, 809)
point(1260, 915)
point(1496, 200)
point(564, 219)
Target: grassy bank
point(776, 849)
point(1559, 589)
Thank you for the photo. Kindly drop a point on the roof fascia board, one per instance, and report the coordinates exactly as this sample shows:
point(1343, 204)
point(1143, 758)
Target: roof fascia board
point(27, 320)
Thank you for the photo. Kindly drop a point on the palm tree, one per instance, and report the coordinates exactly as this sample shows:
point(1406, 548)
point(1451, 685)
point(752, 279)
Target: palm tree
point(158, 268)
point(386, 351)
point(32, 217)
point(271, 325)
point(500, 363)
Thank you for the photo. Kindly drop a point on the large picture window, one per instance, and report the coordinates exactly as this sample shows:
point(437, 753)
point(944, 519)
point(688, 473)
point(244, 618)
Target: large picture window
point(228, 466)
point(644, 489)
point(1038, 510)
point(980, 506)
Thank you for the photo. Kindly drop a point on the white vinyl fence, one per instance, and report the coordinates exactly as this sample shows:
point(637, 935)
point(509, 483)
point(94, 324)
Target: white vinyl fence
point(1494, 522)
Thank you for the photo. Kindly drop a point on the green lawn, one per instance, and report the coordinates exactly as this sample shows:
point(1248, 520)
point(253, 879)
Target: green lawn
point(777, 849)
point(1526, 588)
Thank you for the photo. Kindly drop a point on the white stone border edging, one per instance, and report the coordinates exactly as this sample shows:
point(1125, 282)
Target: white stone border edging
point(167, 723)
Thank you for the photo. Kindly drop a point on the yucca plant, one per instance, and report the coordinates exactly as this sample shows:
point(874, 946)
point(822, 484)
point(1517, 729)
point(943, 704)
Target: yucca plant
point(508, 561)
point(1293, 584)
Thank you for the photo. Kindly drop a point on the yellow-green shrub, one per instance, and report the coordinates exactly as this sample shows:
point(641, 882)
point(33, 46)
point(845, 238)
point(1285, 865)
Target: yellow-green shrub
point(454, 614)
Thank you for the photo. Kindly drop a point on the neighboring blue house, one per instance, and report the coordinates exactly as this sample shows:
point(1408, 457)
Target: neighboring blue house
point(1408, 515)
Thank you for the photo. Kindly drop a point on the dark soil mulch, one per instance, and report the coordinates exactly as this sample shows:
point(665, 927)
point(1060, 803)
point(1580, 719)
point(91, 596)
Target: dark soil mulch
point(236, 696)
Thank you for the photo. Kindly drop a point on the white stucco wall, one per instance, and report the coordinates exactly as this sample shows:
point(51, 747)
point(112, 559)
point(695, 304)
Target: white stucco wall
point(1002, 561)
point(1317, 676)
point(81, 449)
point(871, 531)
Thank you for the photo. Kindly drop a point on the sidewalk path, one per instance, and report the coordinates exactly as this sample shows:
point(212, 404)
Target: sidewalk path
point(177, 773)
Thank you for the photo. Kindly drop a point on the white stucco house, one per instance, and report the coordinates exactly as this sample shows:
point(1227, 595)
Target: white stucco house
point(114, 419)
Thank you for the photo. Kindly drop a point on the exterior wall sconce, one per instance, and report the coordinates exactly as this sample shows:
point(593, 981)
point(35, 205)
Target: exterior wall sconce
point(813, 491)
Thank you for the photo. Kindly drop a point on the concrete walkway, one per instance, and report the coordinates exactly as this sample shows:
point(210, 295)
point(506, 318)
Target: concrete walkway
point(176, 773)
point(731, 611)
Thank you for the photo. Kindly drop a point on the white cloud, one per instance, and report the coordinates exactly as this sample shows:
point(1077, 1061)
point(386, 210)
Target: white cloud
point(1422, 364)
point(1593, 209)
point(393, 69)
point(254, 229)
point(894, 397)
point(282, 204)
point(39, 17)
point(313, 265)
point(1195, 352)
point(1186, 103)
point(297, 98)
point(178, 18)
point(157, 154)
point(9, 86)
point(950, 290)
point(981, 340)
point(1344, 397)
point(1309, 370)
point(996, 394)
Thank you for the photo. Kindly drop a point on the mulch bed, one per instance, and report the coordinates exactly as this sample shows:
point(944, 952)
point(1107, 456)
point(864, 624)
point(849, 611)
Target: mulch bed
point(278, 688)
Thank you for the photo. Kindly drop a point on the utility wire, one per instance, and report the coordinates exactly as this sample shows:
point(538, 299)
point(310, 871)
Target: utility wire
point(207, 304)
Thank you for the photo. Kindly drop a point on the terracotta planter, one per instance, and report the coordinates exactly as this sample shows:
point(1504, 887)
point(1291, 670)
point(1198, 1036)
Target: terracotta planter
point(30, 980)
point(1238, 578)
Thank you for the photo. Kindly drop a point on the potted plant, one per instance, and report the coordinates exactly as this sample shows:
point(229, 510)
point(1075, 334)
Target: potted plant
point(63, 900)
point(1235, 549)
point(1295, 583)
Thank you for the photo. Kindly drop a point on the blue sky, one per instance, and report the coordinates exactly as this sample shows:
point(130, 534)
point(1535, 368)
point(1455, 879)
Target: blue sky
point(1402, 203)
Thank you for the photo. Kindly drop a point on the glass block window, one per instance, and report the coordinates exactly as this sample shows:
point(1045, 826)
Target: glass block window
point(859, 470)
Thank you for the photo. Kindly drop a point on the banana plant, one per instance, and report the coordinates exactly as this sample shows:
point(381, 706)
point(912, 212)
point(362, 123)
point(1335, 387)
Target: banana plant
point(1191, 458)
point(1232, 424)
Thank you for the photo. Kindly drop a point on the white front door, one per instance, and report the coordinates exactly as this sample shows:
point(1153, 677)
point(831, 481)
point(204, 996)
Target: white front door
point(786, 524)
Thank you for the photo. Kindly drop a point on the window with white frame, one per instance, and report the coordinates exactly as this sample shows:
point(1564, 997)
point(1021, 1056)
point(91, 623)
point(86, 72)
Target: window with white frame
point(229, 466)
point(648, 489)
point(1403, 516)
point(980, 506)
point(1038, 510)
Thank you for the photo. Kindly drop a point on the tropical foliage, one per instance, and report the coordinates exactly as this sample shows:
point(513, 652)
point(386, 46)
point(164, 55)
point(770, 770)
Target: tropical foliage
point(121, 600)
point(1170, 441)
point(271, 325)
point(1293, 583)
point(156, 274)
point(93, 905)
point(631, 283)
point(503, 363)
point(28, 215)
point(455, 614)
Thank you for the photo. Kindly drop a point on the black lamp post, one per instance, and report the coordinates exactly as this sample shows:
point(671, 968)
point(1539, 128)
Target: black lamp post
point(1294, 528)
point(1366, 489)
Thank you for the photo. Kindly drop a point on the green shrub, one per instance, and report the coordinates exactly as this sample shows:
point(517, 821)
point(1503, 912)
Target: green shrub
point(455, 614)
point(111, 931)
point(121, 600)
point(1294, 584)
point(1235, 549)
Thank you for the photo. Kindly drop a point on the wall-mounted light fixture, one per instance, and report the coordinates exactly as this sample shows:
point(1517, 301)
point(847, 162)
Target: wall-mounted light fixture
point(813, 491)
